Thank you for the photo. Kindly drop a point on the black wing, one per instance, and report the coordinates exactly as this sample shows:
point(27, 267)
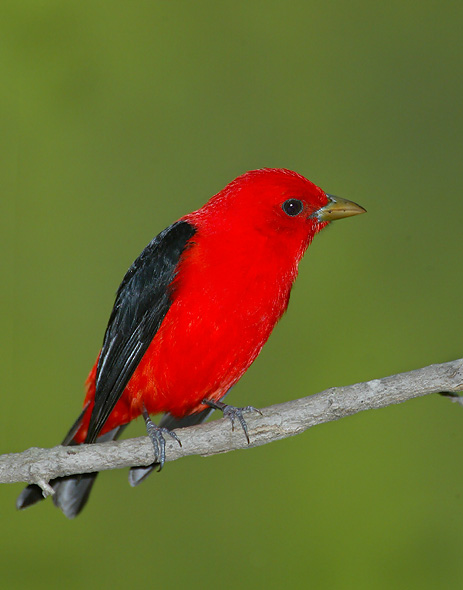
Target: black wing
point(142, 302)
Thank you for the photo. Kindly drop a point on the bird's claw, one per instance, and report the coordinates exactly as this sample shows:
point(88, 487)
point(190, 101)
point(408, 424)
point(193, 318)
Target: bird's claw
point(157, 437)
point(233, 413)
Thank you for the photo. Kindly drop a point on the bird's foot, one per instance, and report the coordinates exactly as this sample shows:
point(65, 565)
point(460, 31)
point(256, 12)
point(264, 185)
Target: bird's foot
point(157, 435)
point(233, 413)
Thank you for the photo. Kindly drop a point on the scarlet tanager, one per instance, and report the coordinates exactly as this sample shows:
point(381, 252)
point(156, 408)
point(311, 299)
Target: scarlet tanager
point(193, 312)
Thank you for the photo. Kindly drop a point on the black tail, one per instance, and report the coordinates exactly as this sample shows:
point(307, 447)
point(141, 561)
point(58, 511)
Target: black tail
point(71, 492)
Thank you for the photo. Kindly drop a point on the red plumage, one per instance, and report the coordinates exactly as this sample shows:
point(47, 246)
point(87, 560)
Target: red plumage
point(195, 309)
point(232, 286)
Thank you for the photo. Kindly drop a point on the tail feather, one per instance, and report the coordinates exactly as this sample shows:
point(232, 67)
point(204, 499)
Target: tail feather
point(29, 496)
point(71, 492)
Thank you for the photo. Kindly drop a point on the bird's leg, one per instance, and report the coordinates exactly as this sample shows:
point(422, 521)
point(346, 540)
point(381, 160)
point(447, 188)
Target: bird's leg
point(232, 413)
point(156, 435)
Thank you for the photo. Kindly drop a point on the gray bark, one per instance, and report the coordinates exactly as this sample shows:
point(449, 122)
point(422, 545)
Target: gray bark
point(276, 422)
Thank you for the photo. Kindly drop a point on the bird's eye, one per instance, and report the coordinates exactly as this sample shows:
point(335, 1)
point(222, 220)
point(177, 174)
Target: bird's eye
point(292, 207)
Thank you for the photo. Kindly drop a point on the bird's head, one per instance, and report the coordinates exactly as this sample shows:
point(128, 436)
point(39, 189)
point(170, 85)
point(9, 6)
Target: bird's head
point(275, 203)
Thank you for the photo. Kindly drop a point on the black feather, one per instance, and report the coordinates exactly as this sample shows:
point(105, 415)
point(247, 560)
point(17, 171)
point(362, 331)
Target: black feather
point(142, 301)
point(72, 491)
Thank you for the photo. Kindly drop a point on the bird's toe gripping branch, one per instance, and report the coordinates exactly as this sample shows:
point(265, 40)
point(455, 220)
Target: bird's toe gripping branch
point(233, 413)
point(156, 435)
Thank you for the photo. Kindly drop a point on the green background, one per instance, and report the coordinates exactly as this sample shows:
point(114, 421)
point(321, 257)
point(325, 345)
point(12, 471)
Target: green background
point(117, 118)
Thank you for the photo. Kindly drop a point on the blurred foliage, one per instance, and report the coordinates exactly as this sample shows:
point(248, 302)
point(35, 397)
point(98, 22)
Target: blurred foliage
point(118, 117)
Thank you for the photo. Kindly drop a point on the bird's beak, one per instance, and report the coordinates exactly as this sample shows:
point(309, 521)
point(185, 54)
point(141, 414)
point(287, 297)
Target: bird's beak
point(337, 208)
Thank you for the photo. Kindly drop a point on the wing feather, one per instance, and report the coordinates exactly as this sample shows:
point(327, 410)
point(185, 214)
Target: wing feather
point(142, 301)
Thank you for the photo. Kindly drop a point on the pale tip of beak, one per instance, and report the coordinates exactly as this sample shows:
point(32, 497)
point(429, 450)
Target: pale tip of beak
point(337, 208)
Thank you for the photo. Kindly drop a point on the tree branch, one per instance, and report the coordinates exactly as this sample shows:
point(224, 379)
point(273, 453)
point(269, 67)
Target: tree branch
point(280, 421)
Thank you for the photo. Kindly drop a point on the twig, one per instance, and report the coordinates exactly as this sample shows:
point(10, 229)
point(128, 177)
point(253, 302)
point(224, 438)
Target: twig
point(280, 421)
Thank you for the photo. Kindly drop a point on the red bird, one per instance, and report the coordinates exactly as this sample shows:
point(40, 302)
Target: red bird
point(193, 312)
